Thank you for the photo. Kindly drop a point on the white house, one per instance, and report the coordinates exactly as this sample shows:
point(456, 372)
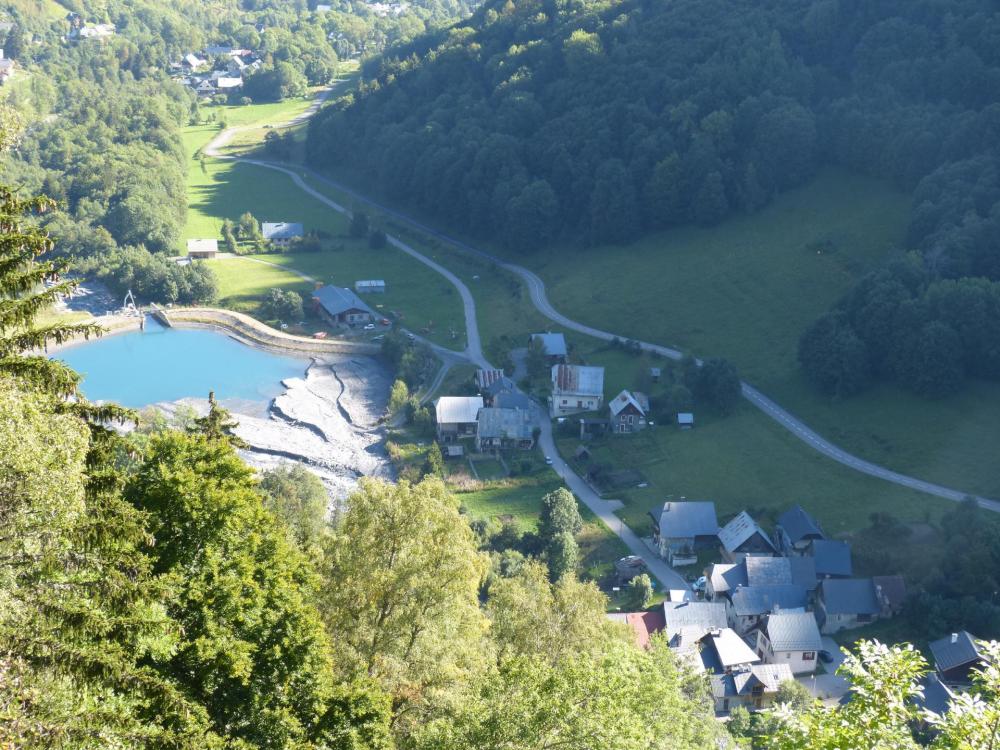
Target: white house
point(576, 388)
point(202, 248)
point(281, 233)
point(790, 638)
point(457, 416)
point(228, 83)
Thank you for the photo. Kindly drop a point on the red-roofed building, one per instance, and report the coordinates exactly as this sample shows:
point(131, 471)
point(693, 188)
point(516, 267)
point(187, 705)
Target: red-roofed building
point(643, 624)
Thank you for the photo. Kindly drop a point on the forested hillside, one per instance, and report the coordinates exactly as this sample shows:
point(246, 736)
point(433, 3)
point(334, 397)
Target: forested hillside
point(600, 121)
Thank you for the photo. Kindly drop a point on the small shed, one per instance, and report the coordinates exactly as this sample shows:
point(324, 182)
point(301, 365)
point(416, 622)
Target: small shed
point(581, 453)
point(202, 249)
point(655, 373)
point(370, 286)
point(685, 419)
point(454, 451)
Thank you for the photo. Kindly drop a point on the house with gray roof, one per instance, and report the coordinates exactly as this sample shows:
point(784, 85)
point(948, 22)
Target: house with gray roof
point(629, 410)
point(846, 603)
point(956, 657)
point(790, 638)
point(683, 527)
point(513, 400)
point(457, 416)
point(831, 558)
point(754, 688)
point(340, 306)
point(795, 529)
point(576, 388)
point(748, 605)
point(722, 578)
point(742, 537)
point(553, 346)
point(688, 622)
point(724, 651)
point(504, 429)
point(281, 233)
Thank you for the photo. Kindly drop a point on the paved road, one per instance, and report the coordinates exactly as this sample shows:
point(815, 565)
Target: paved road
point(798, 428)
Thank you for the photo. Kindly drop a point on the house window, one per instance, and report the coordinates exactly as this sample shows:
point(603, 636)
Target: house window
point(788, 655)
point(808, 656)
point(564, 402)
point(579, 404)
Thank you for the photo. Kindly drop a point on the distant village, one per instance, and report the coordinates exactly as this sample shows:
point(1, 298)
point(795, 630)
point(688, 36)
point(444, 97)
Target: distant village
point(218, 69)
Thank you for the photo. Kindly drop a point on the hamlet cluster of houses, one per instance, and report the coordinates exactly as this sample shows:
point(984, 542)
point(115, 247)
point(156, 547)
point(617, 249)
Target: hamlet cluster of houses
point(766, 605)
point(80, 29)
point(218, 69)
point(280, 234)
point(498, 419)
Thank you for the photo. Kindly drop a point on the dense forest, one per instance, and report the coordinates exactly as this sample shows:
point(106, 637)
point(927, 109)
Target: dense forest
point(537, 122)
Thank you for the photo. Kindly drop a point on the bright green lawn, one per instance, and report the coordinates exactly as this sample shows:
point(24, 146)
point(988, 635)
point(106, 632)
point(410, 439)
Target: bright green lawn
point(243, 284)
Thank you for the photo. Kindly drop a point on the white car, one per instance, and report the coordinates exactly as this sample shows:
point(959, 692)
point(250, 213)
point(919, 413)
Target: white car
point(370, 327)
point(548, 460)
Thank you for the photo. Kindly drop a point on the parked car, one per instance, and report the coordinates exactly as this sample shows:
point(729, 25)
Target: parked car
point(826, 657)
point(370, 327)
point(384, 322)
point(699, 585)
point(548, 460)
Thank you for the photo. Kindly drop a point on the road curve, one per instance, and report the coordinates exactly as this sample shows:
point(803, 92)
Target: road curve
point(798, 428)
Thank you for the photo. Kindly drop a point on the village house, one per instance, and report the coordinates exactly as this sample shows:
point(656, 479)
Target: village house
point(553, 346)
point(685, 420)
point(682, 528)
point(644, 625)
point(511, 400)
point(6, 68)
point(742, 537)
point(370, 286)
point(492, 383)
point(832, 558)
point(956, 657)
point(686, 623)
point(339, 306)
point(457, 416)
point(790, 638)
point(748, 605)
point(891, 594)
point(723, 651)
point(576, 388)
point(504, 429)
point(628, 412)
point(795, 529)
point(846, 603)
point(97, 31)
point(205, 88)
point(281, 233)
point(202, 249)
point(227, 84)
point(753, 688)
point(721, 579)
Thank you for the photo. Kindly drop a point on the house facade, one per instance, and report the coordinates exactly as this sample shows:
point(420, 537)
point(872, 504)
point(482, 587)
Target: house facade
point(576, 388)
point(795, 529)
point(202, 249)
point(846, 603)
point(956, 657)
point(790, 638)
point(340, 306)
point(504, 429)
point(683, 527)
point(753, 688)
point(747, 606)
point(457, 417)
point(628, 412)
point(281, 233)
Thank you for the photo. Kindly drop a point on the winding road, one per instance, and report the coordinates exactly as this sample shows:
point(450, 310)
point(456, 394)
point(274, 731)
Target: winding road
point(536, 287)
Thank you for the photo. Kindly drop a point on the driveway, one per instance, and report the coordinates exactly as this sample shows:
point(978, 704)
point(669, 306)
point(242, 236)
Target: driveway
point(829, 687)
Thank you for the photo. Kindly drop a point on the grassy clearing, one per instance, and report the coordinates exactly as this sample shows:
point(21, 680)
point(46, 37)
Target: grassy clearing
point(243, 283)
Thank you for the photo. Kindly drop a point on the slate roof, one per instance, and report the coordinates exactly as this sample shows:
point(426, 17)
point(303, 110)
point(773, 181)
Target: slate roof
point(739, 530)
point(831, 557)
point(768, 571)
point(937, 696)
point(948, 655)
point(892, 590)
point(337, 300)
point(687, 519)
point(458, 409)
point(577, 379)
point(553, 344)
point(741, 683)
point(759, 600)
point(510, 424)
point(626, 398)
point(799, 525)
point(727, 576)
point(703, 616)
point(793, 631)
point(513, 401)
point(849, 596)
point(280, 230)
point(804, 572)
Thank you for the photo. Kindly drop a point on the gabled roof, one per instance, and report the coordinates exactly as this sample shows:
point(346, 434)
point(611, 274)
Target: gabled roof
point(701, 616)
point(203, 246)
point(738, 531)
point(849, 596)
point(509, 424)
point(759, 600)
point(956, 650)
point(513, 401)
point(890, 590)
point(769, 676)
point(936, 697)
point(280, 230)
point(688, 519)
point(626, 398)
point(831, 557)
point(768, 571)
point(336, 300)
point(577, 379)
point(485, 377)
point(793, 631)
point(458, 409)
point(724, 649)
point(553, 344)
point(727, 576)
point(804, 572)
point(503, 385)
point(799, 525)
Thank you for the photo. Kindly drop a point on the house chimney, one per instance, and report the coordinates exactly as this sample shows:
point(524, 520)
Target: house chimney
point(954, 637)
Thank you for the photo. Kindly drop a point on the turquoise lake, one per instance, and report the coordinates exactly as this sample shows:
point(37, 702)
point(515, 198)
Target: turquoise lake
point(159, 364)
